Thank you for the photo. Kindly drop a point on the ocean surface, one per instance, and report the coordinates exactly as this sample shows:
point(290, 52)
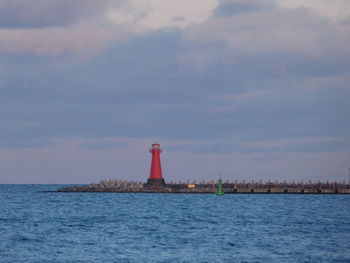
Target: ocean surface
point(110, 227)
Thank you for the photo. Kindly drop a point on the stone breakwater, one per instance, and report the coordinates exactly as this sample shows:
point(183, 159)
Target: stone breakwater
point(251, 187)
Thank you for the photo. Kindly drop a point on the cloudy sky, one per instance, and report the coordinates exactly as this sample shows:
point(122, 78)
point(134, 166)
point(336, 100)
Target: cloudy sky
point(251, 89)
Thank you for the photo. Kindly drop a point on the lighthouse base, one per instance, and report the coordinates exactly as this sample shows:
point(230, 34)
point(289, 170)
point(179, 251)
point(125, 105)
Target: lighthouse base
point(155, 182)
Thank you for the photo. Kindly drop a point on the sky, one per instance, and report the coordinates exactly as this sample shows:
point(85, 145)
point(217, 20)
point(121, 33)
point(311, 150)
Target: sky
point(245, 89)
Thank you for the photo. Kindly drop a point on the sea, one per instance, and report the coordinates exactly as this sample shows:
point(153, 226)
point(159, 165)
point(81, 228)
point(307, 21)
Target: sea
point(40, 227)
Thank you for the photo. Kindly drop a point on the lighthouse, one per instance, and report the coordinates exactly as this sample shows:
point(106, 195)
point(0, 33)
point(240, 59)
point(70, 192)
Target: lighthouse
point(156, 177)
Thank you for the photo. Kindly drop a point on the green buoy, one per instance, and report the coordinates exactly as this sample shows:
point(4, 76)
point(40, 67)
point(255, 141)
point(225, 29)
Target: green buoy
point(219, 190)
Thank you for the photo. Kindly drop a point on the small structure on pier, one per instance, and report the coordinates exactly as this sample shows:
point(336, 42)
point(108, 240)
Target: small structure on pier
point(156, 176)
point(219, 190)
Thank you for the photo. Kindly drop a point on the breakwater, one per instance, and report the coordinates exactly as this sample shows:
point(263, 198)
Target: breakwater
point(236, 187)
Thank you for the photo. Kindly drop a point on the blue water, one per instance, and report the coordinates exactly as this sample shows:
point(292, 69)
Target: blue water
point(108, 227)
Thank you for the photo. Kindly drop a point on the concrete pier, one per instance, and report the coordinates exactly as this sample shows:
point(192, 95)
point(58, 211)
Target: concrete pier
point(120, 186)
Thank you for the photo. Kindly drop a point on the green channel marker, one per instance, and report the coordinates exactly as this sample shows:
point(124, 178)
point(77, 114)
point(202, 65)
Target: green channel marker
point(219, 190)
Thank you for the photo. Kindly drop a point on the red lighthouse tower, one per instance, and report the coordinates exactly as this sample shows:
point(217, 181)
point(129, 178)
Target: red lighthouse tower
point(156, 177)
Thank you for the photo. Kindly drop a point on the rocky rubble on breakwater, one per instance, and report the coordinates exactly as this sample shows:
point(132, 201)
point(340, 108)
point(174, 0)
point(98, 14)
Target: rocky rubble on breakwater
point(244, 187)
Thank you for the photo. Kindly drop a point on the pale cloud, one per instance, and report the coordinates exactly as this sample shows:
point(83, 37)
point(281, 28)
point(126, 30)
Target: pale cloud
point(97, 25)
point(330, 8)
point(290, 141)
point(321, 84)
point(158, 14)
point(116, 22)
point(252, 33)
point(66, 162)
point(244, 96)
point(232, 102)
point(272, 31)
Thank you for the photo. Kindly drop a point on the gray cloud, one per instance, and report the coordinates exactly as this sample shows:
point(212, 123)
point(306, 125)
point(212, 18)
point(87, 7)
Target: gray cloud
point(49, 13)
point(25, 142)
point(146, 89)
point(274, 32)
point(103, 144)
point(236, 7)
point(257, 91)
point(300, 145)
